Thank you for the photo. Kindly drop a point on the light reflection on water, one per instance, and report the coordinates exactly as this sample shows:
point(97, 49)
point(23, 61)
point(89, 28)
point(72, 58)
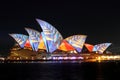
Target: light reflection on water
point(60, 70)
point(43, 62)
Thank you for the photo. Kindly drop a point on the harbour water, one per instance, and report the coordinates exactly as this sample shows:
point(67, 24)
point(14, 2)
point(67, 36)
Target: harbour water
point(60, 71)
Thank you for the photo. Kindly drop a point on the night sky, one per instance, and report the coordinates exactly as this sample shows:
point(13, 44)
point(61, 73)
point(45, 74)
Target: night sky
point(99, 21)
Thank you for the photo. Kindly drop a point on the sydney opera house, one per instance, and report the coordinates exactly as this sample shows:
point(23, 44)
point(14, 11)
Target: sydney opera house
point(50, 42)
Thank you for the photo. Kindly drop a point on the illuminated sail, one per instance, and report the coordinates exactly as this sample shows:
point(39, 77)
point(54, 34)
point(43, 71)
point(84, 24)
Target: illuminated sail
point(41, 44)
point(101, 47)
point(89, 47)
point(50, 46)
point(52, 36)
point(20, 39)
point(27, 44)
point(77, 41)
point(45, 42)
point(34, 38)
point(65, 46)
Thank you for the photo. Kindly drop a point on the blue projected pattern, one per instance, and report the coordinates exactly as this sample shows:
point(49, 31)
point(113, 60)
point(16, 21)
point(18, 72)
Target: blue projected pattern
point(52, 36)
point(77, 41)
point(100, 48)
point(50, 39)
point(34, 38)
point(44, 39)
point(20, 39)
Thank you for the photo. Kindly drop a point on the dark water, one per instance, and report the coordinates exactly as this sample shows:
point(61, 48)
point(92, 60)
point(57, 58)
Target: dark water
point(60, 71)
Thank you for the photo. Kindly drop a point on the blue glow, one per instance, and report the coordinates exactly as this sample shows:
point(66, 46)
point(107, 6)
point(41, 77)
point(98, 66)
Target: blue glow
point(34, 38)
point(100, 48)
point(77, 41)
point(20, 39)
point(53, 37)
